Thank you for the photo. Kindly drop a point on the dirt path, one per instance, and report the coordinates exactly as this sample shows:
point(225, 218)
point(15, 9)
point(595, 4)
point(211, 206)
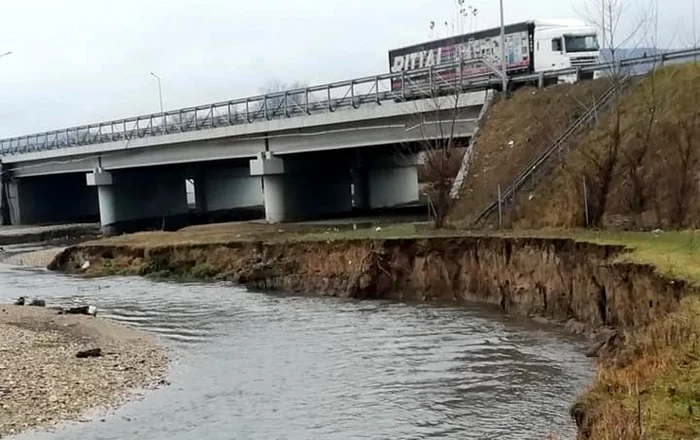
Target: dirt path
point(42, 382)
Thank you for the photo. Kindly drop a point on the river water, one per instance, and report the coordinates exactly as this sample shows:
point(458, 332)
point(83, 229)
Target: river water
point(249, 365)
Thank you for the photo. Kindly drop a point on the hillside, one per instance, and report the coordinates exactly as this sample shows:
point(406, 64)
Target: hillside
point(641, 163)
point(514, 133)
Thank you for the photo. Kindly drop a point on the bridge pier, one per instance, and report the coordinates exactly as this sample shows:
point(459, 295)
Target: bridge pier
point(301, 189)
point(139, 198)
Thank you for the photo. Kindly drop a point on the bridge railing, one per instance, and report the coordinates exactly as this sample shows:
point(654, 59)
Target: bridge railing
point(355, 93)
point(291, 103)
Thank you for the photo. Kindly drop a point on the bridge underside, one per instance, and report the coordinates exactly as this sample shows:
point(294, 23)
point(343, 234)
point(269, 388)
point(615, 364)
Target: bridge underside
point(279, 172)
point(277, 188)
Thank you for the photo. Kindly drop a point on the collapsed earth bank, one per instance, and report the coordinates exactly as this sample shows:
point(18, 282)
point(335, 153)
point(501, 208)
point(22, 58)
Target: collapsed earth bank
point(557, 279)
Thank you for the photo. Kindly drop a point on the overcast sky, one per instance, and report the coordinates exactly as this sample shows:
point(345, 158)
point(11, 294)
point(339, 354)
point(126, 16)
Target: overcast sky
point(81, 61)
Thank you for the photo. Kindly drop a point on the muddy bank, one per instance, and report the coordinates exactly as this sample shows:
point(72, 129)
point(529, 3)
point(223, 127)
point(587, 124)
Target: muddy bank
point(557, 279)
point(43, 382)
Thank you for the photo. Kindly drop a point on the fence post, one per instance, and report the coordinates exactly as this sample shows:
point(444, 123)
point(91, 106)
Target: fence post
point(585, 201)
point(500, 208)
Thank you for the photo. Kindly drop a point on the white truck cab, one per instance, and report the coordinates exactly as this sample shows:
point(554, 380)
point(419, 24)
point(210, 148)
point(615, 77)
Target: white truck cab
point(561, 44)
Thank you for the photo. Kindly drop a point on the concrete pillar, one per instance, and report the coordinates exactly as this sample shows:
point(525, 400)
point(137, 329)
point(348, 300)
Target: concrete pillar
point(139, 198)
point(271, 169)
point(13, 198)
point(303, 187)
point(108, 209)
point(200, 191)
point(360, 182)
point(4, 193)
point(275, 208)
point(106, 199)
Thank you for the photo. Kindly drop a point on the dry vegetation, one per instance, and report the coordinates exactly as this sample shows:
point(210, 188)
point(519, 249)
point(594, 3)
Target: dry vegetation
point(532, 119)
point(650, 389)
point(649, 144)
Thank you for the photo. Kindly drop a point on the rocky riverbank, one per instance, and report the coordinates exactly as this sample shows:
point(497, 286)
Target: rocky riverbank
point(43, 382)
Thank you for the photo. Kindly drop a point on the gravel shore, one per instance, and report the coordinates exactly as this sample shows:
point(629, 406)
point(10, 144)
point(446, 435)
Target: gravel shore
point(42, 382)
point(40, 258)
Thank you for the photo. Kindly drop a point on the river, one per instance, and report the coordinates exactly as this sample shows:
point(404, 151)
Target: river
point(249, 365)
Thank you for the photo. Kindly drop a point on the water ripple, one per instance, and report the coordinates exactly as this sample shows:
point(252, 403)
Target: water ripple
point(256, 366)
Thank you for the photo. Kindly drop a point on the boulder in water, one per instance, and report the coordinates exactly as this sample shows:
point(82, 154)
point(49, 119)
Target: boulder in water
point(20, 301)
point(82, 310)
point(38, 303)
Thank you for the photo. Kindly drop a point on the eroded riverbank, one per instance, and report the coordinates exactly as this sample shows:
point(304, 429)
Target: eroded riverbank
point(605, 290)
point(557, 279)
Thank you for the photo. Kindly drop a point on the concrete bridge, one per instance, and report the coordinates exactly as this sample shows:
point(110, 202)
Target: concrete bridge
point(297, 154)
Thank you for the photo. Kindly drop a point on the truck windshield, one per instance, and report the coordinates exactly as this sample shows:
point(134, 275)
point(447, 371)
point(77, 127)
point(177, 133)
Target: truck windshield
point(581, 43)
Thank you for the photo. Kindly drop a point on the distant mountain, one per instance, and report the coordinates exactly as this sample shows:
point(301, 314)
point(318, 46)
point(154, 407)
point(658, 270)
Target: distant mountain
point(624, 54)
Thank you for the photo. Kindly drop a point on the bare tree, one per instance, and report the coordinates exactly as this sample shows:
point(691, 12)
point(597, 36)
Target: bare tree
point(636, 153)
point(438, 120)
point(682, 181)
point(602, 164)
point(293, 101)
point(607, 16)
point(603, 156)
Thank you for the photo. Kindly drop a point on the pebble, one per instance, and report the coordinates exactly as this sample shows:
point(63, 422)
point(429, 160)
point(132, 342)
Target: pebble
point(49, 384)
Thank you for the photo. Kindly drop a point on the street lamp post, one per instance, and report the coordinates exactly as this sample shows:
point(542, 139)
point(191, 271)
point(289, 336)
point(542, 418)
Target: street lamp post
point(503, 53)
point(160, 90)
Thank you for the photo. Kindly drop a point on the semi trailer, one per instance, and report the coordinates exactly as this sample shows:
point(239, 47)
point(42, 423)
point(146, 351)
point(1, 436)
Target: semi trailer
point(531, 46)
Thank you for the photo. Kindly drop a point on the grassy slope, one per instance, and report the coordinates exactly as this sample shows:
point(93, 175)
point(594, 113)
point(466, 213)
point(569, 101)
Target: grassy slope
point(675, 92)
point(531, 119)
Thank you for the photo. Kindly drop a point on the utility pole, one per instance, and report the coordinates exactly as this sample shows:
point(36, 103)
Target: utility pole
point(504, 71)
point(160, 90)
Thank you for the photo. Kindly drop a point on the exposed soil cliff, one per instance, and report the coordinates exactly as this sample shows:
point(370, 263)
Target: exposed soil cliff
point(557, 279)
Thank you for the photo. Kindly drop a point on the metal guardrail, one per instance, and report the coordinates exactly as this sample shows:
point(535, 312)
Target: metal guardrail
point(292, 103)
point(556, 147)
point(330, 97)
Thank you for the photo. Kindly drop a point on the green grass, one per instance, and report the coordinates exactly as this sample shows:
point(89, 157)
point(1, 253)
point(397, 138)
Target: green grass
point(675, 254)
